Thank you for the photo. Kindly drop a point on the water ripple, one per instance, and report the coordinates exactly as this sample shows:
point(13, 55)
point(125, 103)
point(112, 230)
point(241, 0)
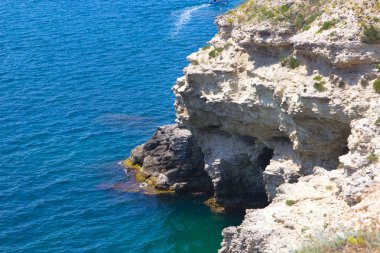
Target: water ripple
point(82, 83)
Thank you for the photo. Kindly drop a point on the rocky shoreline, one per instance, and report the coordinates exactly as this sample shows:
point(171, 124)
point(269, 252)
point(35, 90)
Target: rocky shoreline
point(279, 116)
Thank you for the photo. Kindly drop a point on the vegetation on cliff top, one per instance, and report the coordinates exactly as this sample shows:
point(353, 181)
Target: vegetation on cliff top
point(327, 25)
point(362, 242)
point(299, 15)
point(216, 51)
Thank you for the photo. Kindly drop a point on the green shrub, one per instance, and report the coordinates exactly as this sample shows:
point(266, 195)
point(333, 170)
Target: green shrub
point(213, 53)
point(290, 62)
point(284, 8)
point(372, 158)
point(290, 202)
point(313, 16)
point(377, 66)
point(327, 25)
point(370, 35)
point(219, 49)
point(306, 27)
point(206, 47)
point(305, 24)
point(265, 13)
point(299, 21)
point(377, 122)
point(320, 86)
point(227, 45)
point(230, 20)
point(376, 85)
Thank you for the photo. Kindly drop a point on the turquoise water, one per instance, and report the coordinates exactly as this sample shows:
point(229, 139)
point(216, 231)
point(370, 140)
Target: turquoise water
point(81, 83)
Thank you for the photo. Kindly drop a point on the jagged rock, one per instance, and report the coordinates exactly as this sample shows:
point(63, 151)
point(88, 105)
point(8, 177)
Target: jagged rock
point(173, 158)
point(264, 130)
point(304, 208)
point(235, 164)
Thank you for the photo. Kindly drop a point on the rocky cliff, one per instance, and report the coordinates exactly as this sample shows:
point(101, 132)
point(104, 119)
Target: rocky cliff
point(279, 115)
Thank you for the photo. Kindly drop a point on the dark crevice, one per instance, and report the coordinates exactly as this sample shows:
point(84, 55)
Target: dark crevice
point(264, 158)
point(242, 185)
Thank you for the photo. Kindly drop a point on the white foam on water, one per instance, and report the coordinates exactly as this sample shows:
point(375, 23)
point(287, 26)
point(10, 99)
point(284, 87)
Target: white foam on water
point(184, 17)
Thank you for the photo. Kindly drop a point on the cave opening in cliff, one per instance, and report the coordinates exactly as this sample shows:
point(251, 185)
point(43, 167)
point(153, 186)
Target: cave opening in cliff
point(242, 184)
point(264, 158)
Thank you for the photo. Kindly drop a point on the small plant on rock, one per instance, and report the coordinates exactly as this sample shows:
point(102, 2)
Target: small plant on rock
point(230, 20)
point(227, 45)
point(372, 158)
point(284, 8)
point(327, 25)
point(290, 62)
point(370, 35)
point(216, 51)
point(219, 49)
point(319, 85)
point(206, 47)
point(290, 202)
point(213, 54)
point(310, 19)
point(377, 122)
point(376, 85)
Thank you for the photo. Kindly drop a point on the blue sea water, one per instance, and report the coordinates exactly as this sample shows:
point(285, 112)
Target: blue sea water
point(81, 83)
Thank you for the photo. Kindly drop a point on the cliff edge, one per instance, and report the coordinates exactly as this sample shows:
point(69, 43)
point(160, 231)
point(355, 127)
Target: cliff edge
point(279, 115)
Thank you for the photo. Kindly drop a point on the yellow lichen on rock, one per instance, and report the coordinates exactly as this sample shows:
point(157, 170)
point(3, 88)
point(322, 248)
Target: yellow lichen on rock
point(130, 165)
point(142, 177)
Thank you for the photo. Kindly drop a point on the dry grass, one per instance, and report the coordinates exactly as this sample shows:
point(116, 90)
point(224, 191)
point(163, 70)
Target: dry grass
point(363, 242)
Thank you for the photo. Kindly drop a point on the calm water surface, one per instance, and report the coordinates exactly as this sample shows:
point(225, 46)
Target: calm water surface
point(81, 83)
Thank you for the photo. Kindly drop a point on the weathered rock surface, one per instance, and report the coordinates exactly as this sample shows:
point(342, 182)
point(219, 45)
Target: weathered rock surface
point(301, 213)
point(174, 160)
point(235, 164)
point(261, 130)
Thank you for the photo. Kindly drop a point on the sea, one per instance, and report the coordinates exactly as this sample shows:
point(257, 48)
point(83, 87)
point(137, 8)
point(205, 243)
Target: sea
point(82, 82)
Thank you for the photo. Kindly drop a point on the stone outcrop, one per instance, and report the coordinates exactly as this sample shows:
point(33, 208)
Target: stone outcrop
point(171, 160)
point(281, 110)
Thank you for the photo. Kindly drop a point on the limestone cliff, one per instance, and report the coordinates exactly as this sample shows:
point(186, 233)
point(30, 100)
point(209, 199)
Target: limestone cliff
point(281, 108)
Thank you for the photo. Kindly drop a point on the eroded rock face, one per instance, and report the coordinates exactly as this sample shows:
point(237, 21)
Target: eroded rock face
point(235, 164)
point(302, 212)
point(207, 160)
point(261, 130)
